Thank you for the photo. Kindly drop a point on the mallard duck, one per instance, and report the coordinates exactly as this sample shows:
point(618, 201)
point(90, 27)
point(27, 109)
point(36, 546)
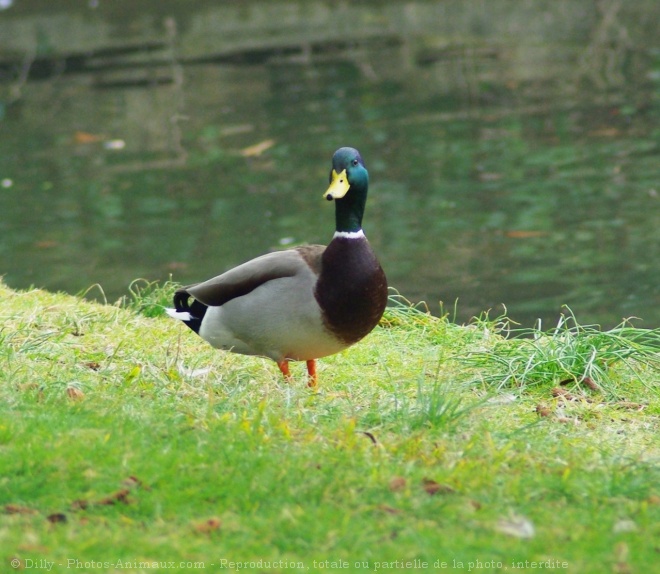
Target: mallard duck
point(303, 303)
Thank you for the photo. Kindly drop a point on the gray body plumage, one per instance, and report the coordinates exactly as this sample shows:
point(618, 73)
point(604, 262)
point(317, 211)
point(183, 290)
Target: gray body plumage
point(279, 318)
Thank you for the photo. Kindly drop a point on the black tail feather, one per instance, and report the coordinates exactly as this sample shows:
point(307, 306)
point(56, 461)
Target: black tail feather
point(196, 309)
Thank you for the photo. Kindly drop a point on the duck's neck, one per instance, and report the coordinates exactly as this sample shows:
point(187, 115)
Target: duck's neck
point(348, 216)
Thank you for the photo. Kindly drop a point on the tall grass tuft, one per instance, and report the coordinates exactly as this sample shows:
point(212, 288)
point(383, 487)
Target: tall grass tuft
point(568, 353)
point(149, 298)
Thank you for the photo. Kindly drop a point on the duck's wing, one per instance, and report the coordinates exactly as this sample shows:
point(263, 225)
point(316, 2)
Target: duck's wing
point(245, 278)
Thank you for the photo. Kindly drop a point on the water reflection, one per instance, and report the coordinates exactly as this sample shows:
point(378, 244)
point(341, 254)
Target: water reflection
point(513, 155)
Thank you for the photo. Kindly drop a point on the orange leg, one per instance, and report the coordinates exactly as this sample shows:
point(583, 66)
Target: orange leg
point(284, 367)
point(311, 369)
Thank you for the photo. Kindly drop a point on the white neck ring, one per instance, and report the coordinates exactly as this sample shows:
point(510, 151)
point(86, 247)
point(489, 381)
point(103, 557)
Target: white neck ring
point(350, 234)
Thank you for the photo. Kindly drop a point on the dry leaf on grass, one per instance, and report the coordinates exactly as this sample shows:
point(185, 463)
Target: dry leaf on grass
point(388, 509)
point(17, 509)
point(134, 482)
point(115, 497)
point(543, 410)
point(621, 554)
point(74, 393)
point(432, 487)
point(653, 499)
point(208, 525)
point(121, 495)
point(629, 405)
point(564, 394)
point(80, 504)
point(397, 483)
point(475, 504)
point(590, 383)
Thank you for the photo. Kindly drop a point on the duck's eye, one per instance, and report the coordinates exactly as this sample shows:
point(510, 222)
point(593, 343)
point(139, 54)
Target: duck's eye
point(354, 162)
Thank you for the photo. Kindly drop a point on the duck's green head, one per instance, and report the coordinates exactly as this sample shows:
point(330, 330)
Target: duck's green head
point(349, 182)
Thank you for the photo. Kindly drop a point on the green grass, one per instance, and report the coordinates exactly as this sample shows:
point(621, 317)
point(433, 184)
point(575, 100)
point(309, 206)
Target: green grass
point(126, 439)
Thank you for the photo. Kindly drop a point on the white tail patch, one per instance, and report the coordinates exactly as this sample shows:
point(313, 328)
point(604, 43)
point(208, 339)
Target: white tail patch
point(350, 234)
point(180, 315)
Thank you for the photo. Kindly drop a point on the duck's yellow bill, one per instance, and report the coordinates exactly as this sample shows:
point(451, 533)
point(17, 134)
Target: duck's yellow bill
point(338, 186)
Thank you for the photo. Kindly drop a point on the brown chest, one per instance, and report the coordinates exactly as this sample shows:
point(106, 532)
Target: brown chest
point(352, 289)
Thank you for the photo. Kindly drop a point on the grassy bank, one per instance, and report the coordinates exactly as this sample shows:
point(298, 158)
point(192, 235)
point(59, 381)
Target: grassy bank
point(125, 441)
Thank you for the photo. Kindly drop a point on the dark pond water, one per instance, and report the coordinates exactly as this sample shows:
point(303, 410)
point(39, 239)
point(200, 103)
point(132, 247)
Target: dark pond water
point(513, 148)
